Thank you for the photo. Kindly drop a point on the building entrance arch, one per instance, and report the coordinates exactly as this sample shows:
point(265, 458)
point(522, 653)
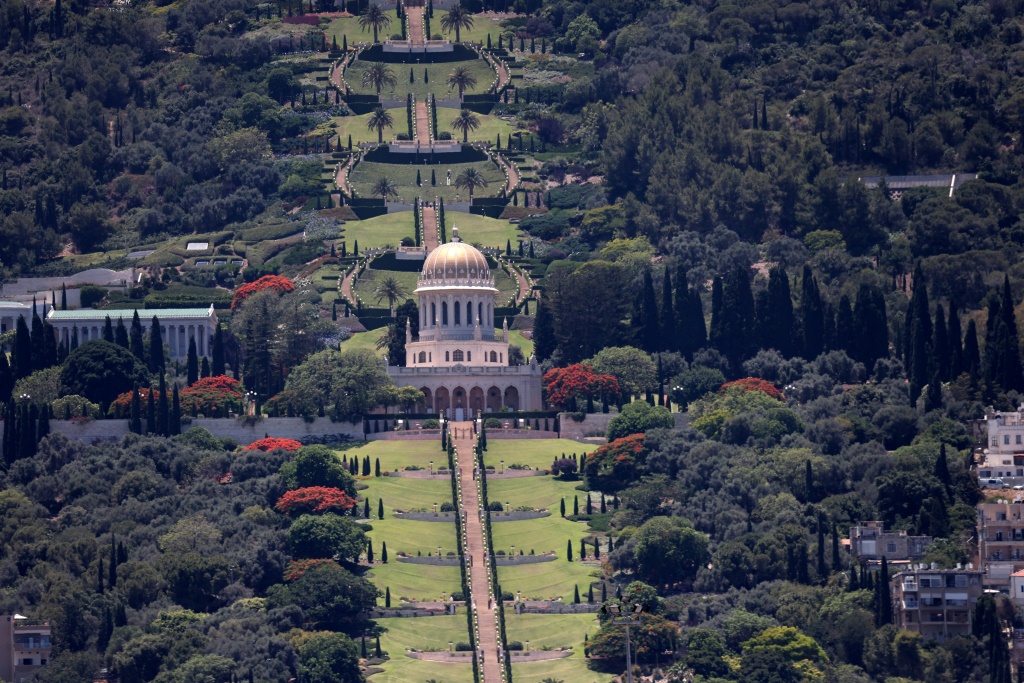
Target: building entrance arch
point(512, 398)
point(428, 400)
point(493, 400)
point(476, 401)
point(442, 401)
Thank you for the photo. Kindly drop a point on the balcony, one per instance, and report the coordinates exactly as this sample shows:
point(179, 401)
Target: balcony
point(909, 585)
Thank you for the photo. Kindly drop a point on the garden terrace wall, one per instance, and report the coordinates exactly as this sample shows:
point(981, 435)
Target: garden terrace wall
point(282, 427)
point(595, 424)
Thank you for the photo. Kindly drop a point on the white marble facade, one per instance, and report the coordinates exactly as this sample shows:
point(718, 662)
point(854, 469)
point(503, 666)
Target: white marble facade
point(177, 326)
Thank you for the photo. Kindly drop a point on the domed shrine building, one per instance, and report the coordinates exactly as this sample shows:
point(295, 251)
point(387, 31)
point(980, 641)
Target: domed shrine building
point(458, 361)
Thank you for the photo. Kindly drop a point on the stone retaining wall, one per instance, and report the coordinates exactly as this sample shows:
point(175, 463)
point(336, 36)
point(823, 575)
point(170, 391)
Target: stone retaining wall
point(433, 560)
point(508, 560)
point(555, 607)
point(426, 516)
point(518, 515)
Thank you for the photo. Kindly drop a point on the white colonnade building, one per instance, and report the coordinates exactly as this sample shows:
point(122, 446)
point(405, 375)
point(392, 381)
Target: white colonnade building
point(177, 326)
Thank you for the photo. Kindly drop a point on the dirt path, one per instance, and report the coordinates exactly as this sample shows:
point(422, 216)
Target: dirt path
point(488, 641)
point(513, 174)
point(415, 25)
point(422, 123)
point(429, 228)
point(524, 284)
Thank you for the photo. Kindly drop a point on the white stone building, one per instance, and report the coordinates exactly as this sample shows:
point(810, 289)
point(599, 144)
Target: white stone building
point(177, 326)
point(10, 311)
point(458, 361)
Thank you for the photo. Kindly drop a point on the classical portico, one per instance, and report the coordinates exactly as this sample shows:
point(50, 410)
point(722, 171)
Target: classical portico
point(458, 361)
point(177, 326)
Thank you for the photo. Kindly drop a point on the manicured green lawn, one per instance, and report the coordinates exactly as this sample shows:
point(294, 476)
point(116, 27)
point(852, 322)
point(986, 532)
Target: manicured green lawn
point(380, 231)
point(397, 454)
point(490, 127)
point(404, 535)
point(546, 580)
point(363, 340)
point(349, 26)
point(551, 630)
point(422, 633)
point(525, 345)
point(415, 581)
point(537, 453)
point(571, 669)
point(403, 493)
point(477, 34)
point(539, 535)
point(437, 77)
point(403, 176)
point(483, 231)
point(343, 126)
point(538, 492)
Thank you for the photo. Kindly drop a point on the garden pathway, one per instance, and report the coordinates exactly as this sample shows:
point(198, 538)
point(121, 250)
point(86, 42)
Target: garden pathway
point(415, 24)
point(513, 174)
point(346, 288)
point(488, 641)
point(422, 122)
point(341, 178)
point(524, 284)
point(429, 228)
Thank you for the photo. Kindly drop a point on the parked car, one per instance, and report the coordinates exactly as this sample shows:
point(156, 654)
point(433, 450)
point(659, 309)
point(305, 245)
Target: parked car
point(514, 221)
point(993, 484)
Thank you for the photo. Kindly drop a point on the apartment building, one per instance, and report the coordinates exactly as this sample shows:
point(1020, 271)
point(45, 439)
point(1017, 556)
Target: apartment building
point(24, 647)
point(937, 603)
point(870, 542)
point(1000, 541)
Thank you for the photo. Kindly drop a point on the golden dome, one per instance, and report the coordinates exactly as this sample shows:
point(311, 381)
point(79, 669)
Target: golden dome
point(456, 263)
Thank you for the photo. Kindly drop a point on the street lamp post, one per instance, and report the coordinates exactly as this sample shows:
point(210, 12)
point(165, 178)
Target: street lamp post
point(626, 619)
point(431, 467)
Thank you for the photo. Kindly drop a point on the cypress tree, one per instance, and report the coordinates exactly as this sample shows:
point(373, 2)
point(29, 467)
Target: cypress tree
point(942, 360)
point(575, 505)
point(668, 315)
point(204, 368)
point(647, 320)
point(822, 569)
point(836, 559)
point(812, 316)
point(1008, 340)
point(217, 353)
point(972, 355)
point(715, 334)
point(376, 470)
point(156, 346)
point(919, 326)
point(562, 507)
point(22, 356)
point(63, 296)
point(192, 362)
point(380, 508)
point(38, 337)
point(135, 339)
point(366, 508)
point(544, 341)
point(954, 339)
point(568, 550)
point(366, 464)
point(590, 594)
point(779, 324)
point(362, 651)
point(576, 595)
point(942, 468)
point(176, 414)
point(44, 423)
point(121, 334)
point(604, 506)
point(100, 577)
point(590, 505)
point(164, 418)
point(884, 595)
point(108, 330)
point(135, 423)
point(844, 335)
point(384, 552)
point(6, 379)
point(387, 596)
point(737, 343)
point(871, 326)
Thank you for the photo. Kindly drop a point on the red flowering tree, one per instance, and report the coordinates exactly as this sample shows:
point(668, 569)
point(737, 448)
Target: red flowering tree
point(273, 443)
point(616, 464)
point(282, 284)
point(567, 386)
point(296, 568)
point(212, 396)
point(315, 499)
point(122, 405)
point(754, 384)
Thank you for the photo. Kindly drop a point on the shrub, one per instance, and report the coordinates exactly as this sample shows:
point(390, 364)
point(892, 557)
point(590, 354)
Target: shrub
point(273, 443)
point(75, 406)
point(754, 384)
point(122, 405)
point(444, 135)
point(281, 284)
point(495, 506)
point(463, 646)
point(431, 424)
point(296, 568)
point(512, 645)
point(447, 507)
point(313, 499)
point(91, 295)
point(493, 423)
point(212, 396)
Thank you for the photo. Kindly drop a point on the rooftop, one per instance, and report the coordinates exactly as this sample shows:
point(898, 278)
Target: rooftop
point(128, 313)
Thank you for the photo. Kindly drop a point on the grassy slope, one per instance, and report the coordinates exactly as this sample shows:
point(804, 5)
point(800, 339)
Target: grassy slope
point(349, 26)
point(355, 126)
point(393, 455)
point(415, 581)
point(571, 669)
point(422, 634)
point(363, 340)
point(537, 453)
point(404, 176)
point(483, 231)
point(388, 229)
point(551, 630)
point(437, 76)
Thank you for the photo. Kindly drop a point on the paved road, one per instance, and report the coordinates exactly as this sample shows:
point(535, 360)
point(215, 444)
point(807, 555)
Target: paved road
point(488, 642)
point(429, 228)
point(422, 123)
point(415, 24)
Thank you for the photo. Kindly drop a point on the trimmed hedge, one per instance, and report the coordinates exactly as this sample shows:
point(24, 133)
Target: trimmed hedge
point(461, 53)
point(469, 154)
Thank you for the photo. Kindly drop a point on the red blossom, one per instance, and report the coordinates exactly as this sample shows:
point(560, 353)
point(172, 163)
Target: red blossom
point(296, 568)
point(315, 499)
point(273, 443)
point(754, 384)
point(282, 284)
point(212, 396)
point(577, 382)
point(122, 405)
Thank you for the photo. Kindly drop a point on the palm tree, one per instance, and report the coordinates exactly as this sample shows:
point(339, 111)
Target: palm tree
point(376, 17)
point(462, 79)
point(465, 121)
point(457, 18)
point(379, 120)
point(384, 187)
point(470, 179)
point(378, 75)
point(391, 289)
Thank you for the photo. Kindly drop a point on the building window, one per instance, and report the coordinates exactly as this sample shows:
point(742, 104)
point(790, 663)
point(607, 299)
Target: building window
point(458, 313)
point(1016, 439)
point(446, 359)
point(433, 315)
point(469, 356)
point(423, 357)
point(469, 313)
point(890, 547)
point(494, 357)
point(444, 313)
point(995, 441)
point(457, 356)
point(1006, 439)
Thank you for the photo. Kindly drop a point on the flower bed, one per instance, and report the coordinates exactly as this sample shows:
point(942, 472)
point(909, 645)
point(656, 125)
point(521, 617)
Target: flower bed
point(282, 284)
